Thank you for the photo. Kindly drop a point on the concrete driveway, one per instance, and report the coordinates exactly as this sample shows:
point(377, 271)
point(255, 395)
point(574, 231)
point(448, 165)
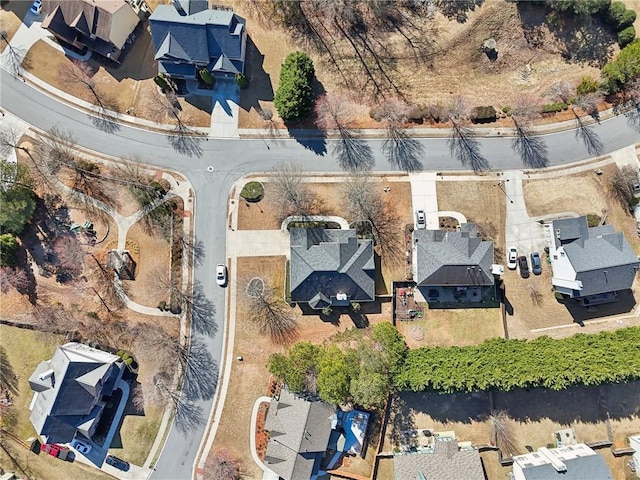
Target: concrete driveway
point(224, 117)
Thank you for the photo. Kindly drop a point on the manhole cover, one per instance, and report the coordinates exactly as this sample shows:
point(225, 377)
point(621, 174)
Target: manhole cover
point(417, 333)
point(210, 168)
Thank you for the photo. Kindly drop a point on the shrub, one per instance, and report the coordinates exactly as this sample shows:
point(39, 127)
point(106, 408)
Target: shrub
point(624, 68)
point(326, 311)
point(626, 36)
point(414, 114)
point(161, 82)
point(627, 20)
point(554, 107)
point(242, 80)
point(588, 84)
point(162, 305)
point(252, 192)
point(375, 113)
point(619, 16)
point(88, 166)
point(483, 114)
point(206, 77)
point(506, 111)
point(8, 248)
point(294, 98)
point(93, 315)
point(593, 220)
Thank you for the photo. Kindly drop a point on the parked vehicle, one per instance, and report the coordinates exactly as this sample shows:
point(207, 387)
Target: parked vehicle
point(536, 264)
point(55, 450)
point(523, 264)
point(221, 275)
point(421, 219)
point(36, 7)
point(512, 257)
point(81, 446)
point(116, 462)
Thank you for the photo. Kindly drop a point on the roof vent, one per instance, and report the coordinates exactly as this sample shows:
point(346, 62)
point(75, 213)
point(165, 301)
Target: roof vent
point(553, 459)
point(341, 296)
point(45, 375)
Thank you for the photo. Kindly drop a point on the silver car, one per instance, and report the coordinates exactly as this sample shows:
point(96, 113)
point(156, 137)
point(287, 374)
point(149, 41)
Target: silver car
point(421, 219)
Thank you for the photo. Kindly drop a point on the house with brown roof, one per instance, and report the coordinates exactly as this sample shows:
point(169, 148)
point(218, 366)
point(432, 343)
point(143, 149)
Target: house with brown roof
point(100, 26)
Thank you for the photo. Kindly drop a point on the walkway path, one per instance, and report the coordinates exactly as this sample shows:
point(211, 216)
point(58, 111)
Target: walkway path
point(267, 474)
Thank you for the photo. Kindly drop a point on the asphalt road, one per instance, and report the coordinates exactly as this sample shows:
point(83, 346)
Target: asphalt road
point(230, 160)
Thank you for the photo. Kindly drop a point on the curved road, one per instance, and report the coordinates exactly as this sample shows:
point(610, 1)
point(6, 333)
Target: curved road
point(232, 158)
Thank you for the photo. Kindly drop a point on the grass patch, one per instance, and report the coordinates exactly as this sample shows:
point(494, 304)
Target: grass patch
point(25, 350)
point(137, 434)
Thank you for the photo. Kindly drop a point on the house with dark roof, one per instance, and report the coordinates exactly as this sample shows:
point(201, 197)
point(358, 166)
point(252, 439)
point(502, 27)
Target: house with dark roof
point(188, 36)
point(443, 459)
point(570, 462)
point(330, 267)
point(453, 267)
point(299, 432)
point(100, 26)
point(590, 264)
point(69, 391)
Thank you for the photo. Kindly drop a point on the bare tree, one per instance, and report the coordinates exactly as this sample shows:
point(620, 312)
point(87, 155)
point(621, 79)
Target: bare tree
point(221, 464)
point(292, 194)
point(462, 145)
point(272, 316)
point(588, 103)
point(364, 203)
point(561, 91)
point(532, 150)
point(13, 277)
point(69, 257)
point(401, 150)
point(192, 248)
point(334, 111)
point(621, 185)
point(502, 433)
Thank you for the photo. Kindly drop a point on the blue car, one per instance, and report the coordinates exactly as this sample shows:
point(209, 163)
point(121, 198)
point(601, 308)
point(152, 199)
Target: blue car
point(536, 264)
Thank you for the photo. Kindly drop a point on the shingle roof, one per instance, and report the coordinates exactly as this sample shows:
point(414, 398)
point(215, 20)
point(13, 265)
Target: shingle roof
point(68, 387)
point(329, 262)
point(446, 462)
point(601, 257)
point(453, 258)
point(299, 432)
point(204, 36)
point(582, 467)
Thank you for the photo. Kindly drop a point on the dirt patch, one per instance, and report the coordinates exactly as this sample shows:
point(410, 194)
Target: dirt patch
point(582, 193)
point(11, 14)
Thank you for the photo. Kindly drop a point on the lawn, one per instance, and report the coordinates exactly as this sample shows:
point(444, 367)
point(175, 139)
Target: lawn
point(11, 14)
point(25, 350)
point(448, 327)
point(137, 434)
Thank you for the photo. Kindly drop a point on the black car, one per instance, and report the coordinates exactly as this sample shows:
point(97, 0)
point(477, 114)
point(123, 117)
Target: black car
point(117, 463)
point(523, 265)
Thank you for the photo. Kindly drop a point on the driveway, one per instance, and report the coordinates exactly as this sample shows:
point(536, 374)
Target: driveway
point(424, 197)
point(224, 117)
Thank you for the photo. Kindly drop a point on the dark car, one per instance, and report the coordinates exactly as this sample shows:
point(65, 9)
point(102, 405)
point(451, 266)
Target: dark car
point(536, 265)
point(523, 265)
point(117, 463)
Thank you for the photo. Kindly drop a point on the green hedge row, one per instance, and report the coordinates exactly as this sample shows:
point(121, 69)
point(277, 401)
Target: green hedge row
point(508, 364)
point(554, 107)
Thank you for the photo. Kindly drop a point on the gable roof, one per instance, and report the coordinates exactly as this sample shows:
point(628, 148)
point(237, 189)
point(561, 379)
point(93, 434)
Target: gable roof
point(602, 259)
point(203, 36)
point(453, 258)
point(299, 432)
point(68, 388)
point(327, 262)
point(445, 462)
point(579, 461)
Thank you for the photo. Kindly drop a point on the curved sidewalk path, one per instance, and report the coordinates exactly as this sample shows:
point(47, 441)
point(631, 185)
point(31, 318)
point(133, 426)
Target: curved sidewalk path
point(267, 474)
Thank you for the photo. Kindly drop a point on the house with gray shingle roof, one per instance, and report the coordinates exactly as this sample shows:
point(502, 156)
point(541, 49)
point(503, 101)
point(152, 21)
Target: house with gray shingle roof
point(69, 390)
point(330, 267)
point(590, 264)
point(570, 462)
point(101, 26)
point(443, 460)
point(188, 36)
point(453, 267)
point(299, 432)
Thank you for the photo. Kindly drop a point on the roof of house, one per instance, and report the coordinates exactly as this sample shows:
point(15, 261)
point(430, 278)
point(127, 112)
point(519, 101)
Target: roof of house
point(299, 432)
point(445, 462)
point(453, 258)
point(595, 253)
point(580, 463)
point(68, 387)
point(327, 262)
point(201, 37)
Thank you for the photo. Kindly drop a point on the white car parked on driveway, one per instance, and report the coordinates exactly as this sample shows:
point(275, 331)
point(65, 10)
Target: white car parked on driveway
point(512, 258)
point(221, 275)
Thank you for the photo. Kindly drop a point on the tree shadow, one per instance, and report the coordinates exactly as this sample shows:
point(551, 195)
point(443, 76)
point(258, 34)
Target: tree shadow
point(589, 137)
point(201, 310)
point(532, 150)
point(189, 415)
point(458, 10)
point(453, 407)
point(8, 377)
point(317, 143)
point(185, 142)
point(402, 151)
point(201, 373)
point(260, 86)
point(466, 149)
point(353, 153)
point(631, 110)
point(584, 39)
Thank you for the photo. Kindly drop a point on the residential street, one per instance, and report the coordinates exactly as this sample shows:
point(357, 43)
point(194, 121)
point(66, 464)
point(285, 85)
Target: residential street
point(232, 158)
